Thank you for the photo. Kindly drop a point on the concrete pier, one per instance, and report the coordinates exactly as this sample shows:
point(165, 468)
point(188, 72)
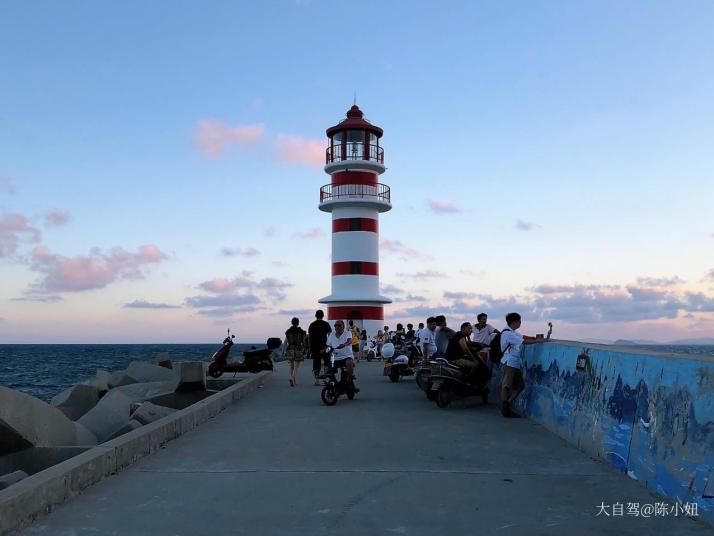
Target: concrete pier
point(389, 462)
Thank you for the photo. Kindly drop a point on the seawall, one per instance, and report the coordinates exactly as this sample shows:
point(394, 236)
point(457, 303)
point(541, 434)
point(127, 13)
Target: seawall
point(649, 415)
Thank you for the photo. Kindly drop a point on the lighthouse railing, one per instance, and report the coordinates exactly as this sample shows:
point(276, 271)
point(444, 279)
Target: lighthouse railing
point(330, 192)
point(354, 151)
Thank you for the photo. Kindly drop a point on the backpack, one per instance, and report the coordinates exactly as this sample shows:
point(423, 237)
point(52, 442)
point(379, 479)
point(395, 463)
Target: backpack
point(495, 353)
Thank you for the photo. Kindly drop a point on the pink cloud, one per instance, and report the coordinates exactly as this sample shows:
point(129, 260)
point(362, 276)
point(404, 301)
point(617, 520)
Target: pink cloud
point(222, 285)
point(298, 150)
point(213, 137)
point(443, 206)
point(239, 252)
point(57, 218)
point(93, 271)
point(315, 232)
point(15, 228)
point(405, 253)
point(426, 274)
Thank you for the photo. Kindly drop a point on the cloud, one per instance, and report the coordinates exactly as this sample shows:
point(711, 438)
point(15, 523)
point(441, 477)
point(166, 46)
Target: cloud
point(405, 253)
point(6, 186)
point(426, 274)
point(239, 252)
point(270, 231)
point(93, 271)
point(40, 298)
point(222, 300)
point(213, 137)
point(142, 304)
point(57, 218)
point(315, 232)
point(280, 264)
point(225, 312)
point(392, 289)
point(14, 229)
point(298, 150)
point(295, 312)
point(442, 206)
point(458, 295)
point(221, 285)
point(274, 287)
point(524, 225)
point(659, 281)
point(710, 275)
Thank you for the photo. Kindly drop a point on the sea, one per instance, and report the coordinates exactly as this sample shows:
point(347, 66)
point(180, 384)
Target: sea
point(44, 370)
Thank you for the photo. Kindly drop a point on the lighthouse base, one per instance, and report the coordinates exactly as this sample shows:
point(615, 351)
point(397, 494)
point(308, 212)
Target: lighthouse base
point(364, 316)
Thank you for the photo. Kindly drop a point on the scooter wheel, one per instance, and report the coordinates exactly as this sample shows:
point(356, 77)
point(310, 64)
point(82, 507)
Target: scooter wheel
point(443, 397)
point(329, 395)
point(394, 375)
point(215, 373)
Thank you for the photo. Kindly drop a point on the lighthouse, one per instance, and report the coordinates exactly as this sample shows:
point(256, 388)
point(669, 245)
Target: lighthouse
point(355, 198)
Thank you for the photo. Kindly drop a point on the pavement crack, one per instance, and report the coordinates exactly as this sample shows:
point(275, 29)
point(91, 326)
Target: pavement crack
point(363, 471)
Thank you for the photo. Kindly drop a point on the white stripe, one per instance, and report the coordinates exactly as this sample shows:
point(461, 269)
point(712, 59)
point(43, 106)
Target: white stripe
point(354, 212)
point(355, 246)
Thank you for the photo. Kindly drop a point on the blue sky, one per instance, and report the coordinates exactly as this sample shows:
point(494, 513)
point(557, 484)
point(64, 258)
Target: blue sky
point(569, 144)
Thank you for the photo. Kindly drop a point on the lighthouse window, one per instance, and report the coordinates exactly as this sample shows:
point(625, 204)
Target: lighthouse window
point(355, 143)
point(373, 140)
point(355, 267)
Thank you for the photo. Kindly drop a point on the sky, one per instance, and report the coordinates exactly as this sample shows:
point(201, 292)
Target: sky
point(160, 164)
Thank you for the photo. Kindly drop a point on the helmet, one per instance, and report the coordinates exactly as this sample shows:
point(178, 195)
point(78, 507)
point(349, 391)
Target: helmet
point(388, 350)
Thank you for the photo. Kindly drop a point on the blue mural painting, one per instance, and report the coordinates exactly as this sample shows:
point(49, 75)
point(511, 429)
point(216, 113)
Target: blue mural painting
point(649, 415)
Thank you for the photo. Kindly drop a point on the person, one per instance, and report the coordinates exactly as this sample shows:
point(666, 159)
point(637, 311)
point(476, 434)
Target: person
point(411, 334)
point(428, 339)
point(380, 342)
point(398, 338)
point(362, 344)
point(442, 336)
point(418, 333)
point(341, 343)
point(511, 376)
point(459, 353)
point(317, 333)
point(483, 332)
point(387, 335)
point(295, 345)
point(354, 331)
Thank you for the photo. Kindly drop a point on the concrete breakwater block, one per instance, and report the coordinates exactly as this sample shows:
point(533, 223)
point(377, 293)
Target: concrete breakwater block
point(11, 478)
point(101, 381)
point(146, 372)
point(27, 421)
point(77, 400)
point(190, 376)
point(121, 378)
point(138, 392)
point(163, 360)
point(128, 427)
point(148, 413)
point(108, 416)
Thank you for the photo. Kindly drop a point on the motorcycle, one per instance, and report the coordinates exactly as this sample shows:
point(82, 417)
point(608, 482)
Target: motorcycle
point(449, 382)
point(335, 388)
point(254, 361)
point(397, 364)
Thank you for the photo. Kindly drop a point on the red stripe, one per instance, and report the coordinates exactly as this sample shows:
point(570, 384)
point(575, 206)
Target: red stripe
point(353, 312)
point(354, 177)
point(355, 268)
point(341, 225)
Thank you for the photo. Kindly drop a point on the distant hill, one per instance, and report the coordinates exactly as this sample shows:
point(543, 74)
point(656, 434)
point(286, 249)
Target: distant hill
point(634, 342)
point(704, 341)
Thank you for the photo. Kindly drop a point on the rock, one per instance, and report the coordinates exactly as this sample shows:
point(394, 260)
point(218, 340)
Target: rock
point(108, 416)
point(146, 372)
point(148, 412)
point(121, 380)
point(84, 436)
point(190, 376)
point(76, 401)
point(139, 392)
point(26, 421)
point(128, 427)
point(163, 360)
point(11, 478)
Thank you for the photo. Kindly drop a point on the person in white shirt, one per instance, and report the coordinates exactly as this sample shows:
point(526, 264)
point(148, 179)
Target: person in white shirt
point(511, 376)
point(427, 339)
point(483, 331)
point(341, 343)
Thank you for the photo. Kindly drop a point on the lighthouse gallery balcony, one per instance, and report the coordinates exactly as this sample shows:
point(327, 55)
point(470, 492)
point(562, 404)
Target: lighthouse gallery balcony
point(375, 195)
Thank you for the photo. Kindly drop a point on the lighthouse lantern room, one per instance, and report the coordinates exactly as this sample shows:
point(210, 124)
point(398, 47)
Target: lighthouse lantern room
point(355, 197)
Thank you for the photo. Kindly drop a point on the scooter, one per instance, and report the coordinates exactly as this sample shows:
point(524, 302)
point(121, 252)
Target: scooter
point(396, 364)
point(253, 360)
point(334, 388)
point(449, 382)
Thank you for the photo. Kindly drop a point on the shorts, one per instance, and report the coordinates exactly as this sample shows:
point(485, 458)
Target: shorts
point(341, 363)
point(355, 348)
point(511, 378)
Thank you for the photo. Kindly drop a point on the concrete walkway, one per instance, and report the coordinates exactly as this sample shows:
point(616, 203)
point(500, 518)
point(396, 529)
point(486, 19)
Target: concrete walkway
point(389, 462)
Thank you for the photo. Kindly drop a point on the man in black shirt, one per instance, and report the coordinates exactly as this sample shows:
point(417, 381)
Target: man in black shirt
point(317, 334)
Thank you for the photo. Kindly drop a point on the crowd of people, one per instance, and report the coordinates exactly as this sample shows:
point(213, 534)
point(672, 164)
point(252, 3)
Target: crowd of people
point(430, 340)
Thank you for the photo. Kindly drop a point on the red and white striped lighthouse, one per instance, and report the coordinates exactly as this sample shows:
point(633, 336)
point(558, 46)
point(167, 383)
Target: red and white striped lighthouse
point(355, 198)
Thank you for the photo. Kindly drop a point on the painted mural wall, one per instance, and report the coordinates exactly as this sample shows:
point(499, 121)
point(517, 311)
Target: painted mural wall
point(649, 415)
